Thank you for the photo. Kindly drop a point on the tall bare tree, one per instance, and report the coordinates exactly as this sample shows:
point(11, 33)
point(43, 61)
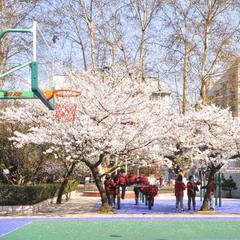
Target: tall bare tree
point(178, 18)
point(217, 32)
point(144, 12)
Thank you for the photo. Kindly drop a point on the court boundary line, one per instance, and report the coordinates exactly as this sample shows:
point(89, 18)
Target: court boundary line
point(17, 228)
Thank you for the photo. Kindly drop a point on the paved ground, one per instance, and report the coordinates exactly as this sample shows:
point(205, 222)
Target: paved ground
point(79, 206)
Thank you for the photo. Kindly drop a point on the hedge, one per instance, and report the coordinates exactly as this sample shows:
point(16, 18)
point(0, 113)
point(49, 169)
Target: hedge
point(28, 195)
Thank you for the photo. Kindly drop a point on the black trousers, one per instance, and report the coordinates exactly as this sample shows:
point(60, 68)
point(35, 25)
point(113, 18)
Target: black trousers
point(191, 199)
point(123, 188)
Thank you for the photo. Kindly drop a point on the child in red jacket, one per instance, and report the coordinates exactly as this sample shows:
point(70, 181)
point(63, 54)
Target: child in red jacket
point(122, 182)
point(212, 188)
point(192, 188)
point(179, 192)
point(110, 189)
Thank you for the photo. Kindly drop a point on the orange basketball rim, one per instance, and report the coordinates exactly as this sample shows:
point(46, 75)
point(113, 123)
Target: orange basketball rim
point(61, 93)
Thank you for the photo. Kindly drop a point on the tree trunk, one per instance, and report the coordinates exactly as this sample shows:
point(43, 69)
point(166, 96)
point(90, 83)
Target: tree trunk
point(203, 91)
point(213, 170)
point(205, 206)
point(185, 78)
point(64, 183)
point(92, 44)
point(61, 190)
point(97, 178)
point(141, 57)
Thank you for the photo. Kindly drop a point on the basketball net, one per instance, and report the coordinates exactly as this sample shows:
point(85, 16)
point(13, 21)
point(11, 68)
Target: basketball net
point(66, 107)
point(65, 112)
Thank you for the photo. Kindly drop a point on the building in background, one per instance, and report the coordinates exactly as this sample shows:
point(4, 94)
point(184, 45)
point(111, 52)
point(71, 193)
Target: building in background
point(226, 92)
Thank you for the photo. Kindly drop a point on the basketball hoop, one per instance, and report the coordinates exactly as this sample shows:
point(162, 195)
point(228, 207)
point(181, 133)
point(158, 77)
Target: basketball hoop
point(61, 93)
point(66, 93)
point(65, 110)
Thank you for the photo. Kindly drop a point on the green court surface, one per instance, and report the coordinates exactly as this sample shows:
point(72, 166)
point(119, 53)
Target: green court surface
point(128, 230)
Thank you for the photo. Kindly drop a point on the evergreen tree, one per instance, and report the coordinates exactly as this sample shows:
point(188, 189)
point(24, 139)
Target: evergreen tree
point(229, 185)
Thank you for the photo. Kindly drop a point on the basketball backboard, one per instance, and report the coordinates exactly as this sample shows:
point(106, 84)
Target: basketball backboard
point(41, 68)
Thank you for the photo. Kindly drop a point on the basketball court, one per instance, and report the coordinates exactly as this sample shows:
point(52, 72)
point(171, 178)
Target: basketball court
point(77, 219)
point(121, 228)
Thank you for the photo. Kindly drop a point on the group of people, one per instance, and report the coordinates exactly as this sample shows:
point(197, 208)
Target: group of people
point(192, 189)
point(121, 181)
point(111, 185)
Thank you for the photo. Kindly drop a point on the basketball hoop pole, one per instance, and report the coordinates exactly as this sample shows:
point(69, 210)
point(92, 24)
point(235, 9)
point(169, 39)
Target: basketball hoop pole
point(14, 30)
point(34, 32)
point(17, 30)
point(36, 91)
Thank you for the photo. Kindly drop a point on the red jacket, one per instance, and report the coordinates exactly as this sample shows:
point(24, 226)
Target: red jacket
point(143, 179)
point(110, 187)
point(161, 179)
point(179, 188)
point(192, 188)
point(131, 178)
point(212, 187)
point(122, 179)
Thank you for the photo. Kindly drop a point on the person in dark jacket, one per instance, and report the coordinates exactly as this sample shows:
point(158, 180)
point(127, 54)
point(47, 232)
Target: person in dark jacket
point(136, 190)
point(110, 189)
point(161, 179)
point(192, 188)
point(179, 192)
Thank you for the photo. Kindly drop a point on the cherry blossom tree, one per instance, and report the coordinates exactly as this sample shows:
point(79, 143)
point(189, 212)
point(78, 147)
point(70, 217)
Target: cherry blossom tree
point(114, 117)
point(205, 139)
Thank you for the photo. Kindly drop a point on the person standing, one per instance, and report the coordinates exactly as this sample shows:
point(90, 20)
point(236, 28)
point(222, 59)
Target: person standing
point(122, 182)
point(192, 188)
point(211, 187)
point(161, 179)
point(110, 189)
point(179, 193)
point(136, 190)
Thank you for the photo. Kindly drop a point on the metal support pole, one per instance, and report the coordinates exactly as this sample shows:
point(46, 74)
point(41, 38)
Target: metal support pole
point(138, 171)
point(14, 30)
point(34, 31)
point(118, 198)
point(201, 190)
point(16, 69)
point(216, 190)
point(126, 166)
point(220, 189)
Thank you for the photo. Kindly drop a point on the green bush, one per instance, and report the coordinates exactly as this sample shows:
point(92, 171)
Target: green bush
point(72, 186)
point(28, 195)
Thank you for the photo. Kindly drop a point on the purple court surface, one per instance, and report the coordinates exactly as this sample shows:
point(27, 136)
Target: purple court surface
point(167, 206)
